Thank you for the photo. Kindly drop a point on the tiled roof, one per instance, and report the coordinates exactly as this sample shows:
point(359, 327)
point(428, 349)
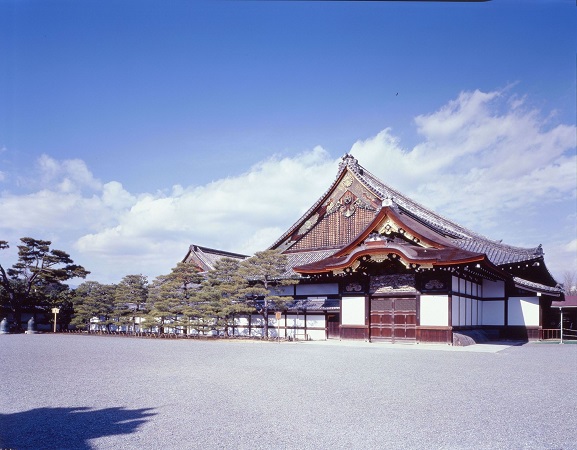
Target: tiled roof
point(497, 252)
point(451, 232)
point(302, 258)
point(414, 254)
point(537, 287)
point(570, 302)
point(314, 305)
point(206, 257)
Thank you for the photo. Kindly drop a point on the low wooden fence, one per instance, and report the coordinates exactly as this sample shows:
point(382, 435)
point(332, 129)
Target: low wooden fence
point(554, 334)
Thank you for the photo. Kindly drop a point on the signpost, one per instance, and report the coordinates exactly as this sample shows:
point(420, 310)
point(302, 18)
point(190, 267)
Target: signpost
point(55, 311)
point(278, 316)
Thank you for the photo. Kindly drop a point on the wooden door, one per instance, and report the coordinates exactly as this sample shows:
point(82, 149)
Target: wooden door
point(333, 326)
point(405, 319)
point(393, 319)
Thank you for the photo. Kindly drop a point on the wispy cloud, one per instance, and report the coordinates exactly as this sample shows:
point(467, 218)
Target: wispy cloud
point(482, 155)
point(485, 157)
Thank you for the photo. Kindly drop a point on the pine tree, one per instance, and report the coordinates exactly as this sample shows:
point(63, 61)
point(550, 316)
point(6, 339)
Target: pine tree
point(37, 270)
point(265, 274)
point(222, 294)
point(130, 297)
point(93, 300)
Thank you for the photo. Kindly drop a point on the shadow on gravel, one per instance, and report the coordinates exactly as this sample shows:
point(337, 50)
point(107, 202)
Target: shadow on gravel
point(67, 428)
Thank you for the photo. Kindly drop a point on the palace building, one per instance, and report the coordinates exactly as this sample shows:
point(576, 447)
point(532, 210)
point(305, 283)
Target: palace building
point(375, 265)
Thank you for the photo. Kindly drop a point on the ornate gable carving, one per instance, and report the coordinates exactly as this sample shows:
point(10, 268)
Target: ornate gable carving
point(346, 212)
point(390, 229)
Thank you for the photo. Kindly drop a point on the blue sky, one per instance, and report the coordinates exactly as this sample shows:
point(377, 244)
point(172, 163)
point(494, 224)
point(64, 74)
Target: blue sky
point(130, 129)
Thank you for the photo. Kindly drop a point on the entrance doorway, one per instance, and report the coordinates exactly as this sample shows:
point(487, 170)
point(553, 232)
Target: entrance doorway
point(393, 319)
point(333, 323)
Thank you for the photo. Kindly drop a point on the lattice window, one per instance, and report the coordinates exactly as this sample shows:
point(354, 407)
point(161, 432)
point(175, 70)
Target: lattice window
point(406, 304)
point(382, 304)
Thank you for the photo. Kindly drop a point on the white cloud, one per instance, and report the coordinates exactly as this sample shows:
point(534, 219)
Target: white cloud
point(486, 160)
point(66, 176)
point(244, 214)
point(479, 158)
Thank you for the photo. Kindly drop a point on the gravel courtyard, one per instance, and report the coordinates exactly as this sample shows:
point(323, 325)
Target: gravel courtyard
point(92, 392)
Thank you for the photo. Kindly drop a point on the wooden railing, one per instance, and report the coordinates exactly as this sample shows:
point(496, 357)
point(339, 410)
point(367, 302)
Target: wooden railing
point(555, 334)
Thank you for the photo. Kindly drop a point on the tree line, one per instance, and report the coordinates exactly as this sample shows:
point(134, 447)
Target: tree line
point(183, 300)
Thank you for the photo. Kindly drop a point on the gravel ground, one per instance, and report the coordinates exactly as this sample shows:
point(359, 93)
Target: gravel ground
point(91, 392)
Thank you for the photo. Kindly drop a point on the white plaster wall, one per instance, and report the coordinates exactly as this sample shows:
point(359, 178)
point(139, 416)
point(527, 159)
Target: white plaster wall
point(493, 312)
point(316, 321)
point(294, 320)
point(435, 310)
point(474, 307)
point(455, 284)
point(523, 311)
point(317, 335)
point(455, 311)
point(353, 311)
point(317, 289)
point(493, 289)
point(463, 312)
point(241, 321)
point(273, 322)
point(468, 311)
point(256, 320)
point(256, 332)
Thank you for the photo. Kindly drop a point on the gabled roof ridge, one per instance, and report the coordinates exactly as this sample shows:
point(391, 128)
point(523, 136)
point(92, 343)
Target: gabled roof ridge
point(408, 205)
point(459, 235)
point(217, 252)
point(342, 168)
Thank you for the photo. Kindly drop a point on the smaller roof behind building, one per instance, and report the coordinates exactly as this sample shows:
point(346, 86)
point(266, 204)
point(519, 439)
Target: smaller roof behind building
point(205, 258)
point(570, 302)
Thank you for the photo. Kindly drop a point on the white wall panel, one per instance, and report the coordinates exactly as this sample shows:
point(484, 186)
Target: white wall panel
point(455, 284)
point(241, 321)
point(353, 311)
point(317, 335)
point(294, 320)
point(474, 307)
point(523, 311)
point(316, 321)
point(455, 311)
point(493, 289)
point(256, 320)
point(493, 312)
point(435, 310)
point(463, 311)
point(256, 332)
point(273, 322)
